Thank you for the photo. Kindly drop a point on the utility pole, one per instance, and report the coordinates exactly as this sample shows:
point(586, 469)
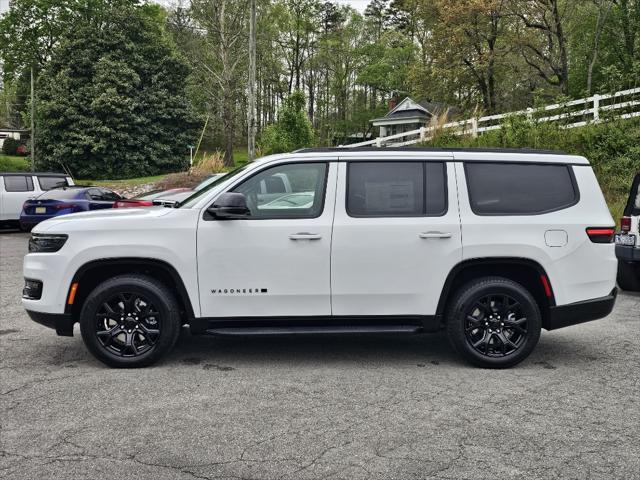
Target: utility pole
point(33, 122)
point(251, 117)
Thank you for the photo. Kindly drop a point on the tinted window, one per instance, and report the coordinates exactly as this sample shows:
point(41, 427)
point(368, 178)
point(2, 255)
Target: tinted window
point(95, 194)
point(109, 195)
point(519, 189)
point(18, 183)
point(47, 183)
point(286, 191)
point(436, 188)
point(396, 189)
point(633, 204)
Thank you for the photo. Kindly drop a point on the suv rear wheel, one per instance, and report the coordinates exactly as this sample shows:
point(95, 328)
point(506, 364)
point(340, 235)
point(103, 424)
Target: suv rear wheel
point(130, 321)
point(493, 322)
point(629, 276)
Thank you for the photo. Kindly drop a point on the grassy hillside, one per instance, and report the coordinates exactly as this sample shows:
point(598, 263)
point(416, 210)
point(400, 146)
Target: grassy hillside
point(13, 164)
point(613, 149)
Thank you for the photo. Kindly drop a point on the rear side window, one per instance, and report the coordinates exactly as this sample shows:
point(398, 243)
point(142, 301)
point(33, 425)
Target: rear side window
point(519, 188)
point(47, 183)
point(18, 183)
point(396, 189)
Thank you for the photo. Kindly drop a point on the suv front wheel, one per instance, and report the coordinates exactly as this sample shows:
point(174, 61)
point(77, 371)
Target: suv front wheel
point(130, 321)
point(493, 322)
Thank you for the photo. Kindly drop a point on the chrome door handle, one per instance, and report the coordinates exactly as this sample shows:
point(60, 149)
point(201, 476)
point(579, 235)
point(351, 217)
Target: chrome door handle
point(305, 236)
point(435, 235)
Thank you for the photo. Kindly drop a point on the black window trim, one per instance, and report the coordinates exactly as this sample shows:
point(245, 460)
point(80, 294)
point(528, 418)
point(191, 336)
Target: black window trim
point(424, 214)
point(327, 163)
point(568, 166)
point(62, 178)
point(28, 178)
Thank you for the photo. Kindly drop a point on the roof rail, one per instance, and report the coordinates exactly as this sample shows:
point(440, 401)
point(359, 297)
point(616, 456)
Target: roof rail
point(430, 149)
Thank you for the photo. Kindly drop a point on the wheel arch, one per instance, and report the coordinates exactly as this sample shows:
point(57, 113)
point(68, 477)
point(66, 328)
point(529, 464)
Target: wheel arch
point(92, 273)
point(529, 273)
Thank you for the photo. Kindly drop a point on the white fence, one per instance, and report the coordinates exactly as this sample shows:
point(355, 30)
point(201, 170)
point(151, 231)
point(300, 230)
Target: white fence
point(575, 113)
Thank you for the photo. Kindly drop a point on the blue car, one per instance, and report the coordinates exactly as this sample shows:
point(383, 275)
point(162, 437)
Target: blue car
point(61, 201)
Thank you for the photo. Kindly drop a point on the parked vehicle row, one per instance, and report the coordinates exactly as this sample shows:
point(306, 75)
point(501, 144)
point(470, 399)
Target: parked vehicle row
point(489, 245)
point(17, 188)
point(27, 199)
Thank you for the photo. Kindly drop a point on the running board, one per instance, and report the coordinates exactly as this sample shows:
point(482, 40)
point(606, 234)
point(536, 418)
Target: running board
point(309, 330)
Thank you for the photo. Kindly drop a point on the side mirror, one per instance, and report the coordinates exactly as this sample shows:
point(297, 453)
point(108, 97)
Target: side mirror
point(228, 206)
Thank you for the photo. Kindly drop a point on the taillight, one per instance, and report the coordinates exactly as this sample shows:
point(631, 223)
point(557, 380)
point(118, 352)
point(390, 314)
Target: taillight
point(601, 234)
point(132, 203)
point(625, 224)
point(63, 206)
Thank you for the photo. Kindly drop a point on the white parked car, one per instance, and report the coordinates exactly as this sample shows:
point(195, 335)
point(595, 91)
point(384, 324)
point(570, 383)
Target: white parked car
point(628, 242)
point(17, 188)
point(491, 246)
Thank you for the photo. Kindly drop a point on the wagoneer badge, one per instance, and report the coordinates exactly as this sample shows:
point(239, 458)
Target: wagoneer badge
point(238, 291)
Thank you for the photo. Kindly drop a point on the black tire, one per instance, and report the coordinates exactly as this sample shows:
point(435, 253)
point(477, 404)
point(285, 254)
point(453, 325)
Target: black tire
point(629, 276)
point(130, 321)
point(25, 228)
point(477, 327)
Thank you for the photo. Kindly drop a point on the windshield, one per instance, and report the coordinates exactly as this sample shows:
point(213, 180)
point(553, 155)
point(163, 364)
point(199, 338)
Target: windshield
point(192, 199)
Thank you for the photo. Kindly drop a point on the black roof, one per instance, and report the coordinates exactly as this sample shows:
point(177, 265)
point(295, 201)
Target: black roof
point(48, 174)
point(431, 149)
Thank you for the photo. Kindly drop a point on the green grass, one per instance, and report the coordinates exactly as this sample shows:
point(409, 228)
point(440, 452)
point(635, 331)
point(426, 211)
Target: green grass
point(14, 164)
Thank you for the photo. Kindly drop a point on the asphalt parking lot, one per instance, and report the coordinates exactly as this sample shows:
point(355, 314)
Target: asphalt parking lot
point(352, 407)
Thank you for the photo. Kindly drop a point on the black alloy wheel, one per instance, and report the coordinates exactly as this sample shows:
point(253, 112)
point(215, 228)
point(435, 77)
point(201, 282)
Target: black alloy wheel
point(128, 324)
point(130, 321)
point(496, 325)
point(493, 322)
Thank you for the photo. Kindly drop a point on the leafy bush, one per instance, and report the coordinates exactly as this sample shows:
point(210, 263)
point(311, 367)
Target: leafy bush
point(10, 146)
point(293, 129)
point(612, 147)
point(113, 100)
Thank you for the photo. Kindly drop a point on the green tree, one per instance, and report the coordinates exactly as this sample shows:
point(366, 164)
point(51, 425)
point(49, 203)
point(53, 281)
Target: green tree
point(112, 99)
point(292, 130)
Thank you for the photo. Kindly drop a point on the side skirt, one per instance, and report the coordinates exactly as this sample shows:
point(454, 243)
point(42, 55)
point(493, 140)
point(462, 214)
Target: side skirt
point(316, 325)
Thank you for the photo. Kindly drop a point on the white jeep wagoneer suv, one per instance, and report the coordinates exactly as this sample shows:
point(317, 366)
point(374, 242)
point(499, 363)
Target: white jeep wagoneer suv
point(491, 246)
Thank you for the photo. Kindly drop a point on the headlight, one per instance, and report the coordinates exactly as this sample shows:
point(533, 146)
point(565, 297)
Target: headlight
point(46, 243)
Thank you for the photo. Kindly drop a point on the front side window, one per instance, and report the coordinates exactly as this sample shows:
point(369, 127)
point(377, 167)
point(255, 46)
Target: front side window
point(519, 188)
point(396, 189)
point(109, 195)
point(18, 183)
point(47, 183)
point(286, 191)
point(95, 194)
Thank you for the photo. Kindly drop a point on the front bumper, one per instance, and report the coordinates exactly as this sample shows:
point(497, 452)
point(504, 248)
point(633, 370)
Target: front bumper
point(62, 323)
point(627, 254)
point(580, 312)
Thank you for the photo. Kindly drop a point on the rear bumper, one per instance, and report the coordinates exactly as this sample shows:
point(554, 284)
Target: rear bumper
point(627, 254)
point(62, 323)
point(580, 312)
point(33, 220)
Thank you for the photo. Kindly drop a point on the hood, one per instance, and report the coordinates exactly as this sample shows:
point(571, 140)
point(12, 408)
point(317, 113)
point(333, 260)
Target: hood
point(119, 215)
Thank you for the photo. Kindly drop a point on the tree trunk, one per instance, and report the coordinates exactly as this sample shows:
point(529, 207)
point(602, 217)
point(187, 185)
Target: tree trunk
point(602, 15)
point(563, 74)
point(228, 123)
point(251, 110)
